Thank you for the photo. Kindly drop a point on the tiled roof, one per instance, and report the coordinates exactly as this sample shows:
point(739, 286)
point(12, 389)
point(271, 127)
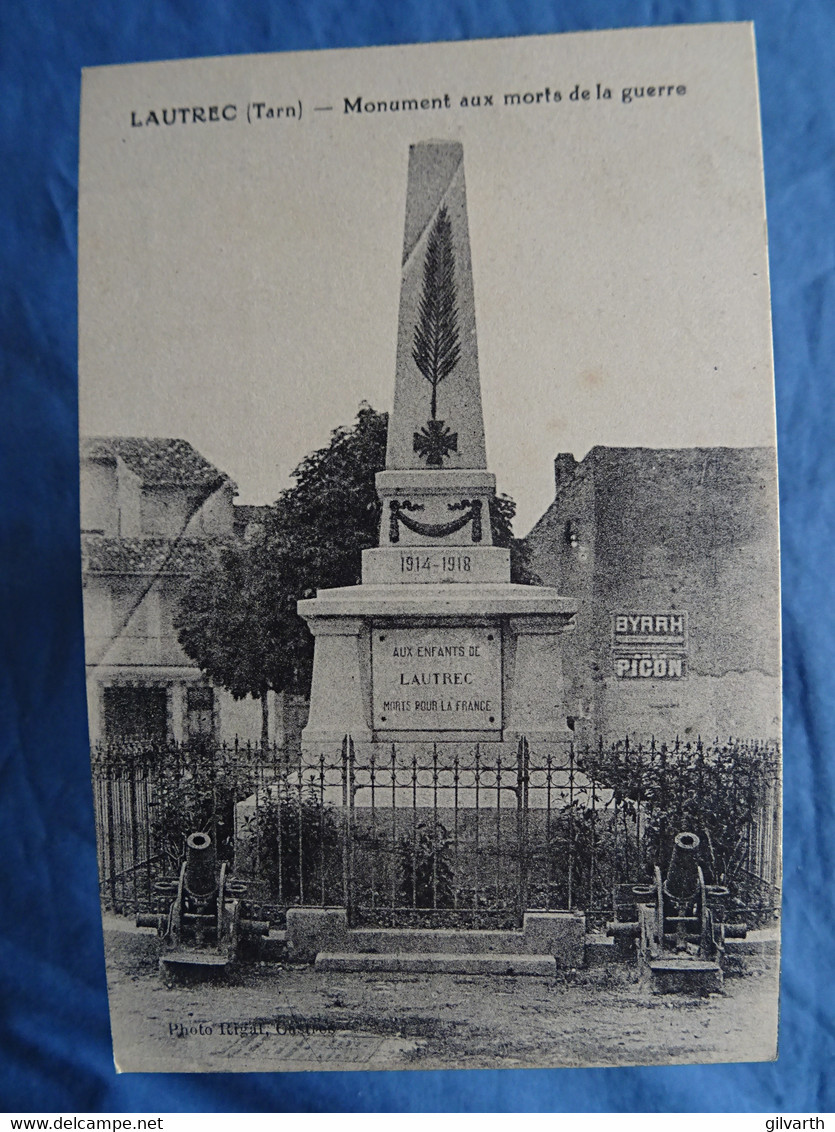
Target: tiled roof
point(155, 460)
point(103, 555)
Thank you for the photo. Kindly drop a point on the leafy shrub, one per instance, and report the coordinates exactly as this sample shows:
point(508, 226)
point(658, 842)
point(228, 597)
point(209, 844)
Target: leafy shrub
point(713, 790)
point(426, 867)
point(298, 846)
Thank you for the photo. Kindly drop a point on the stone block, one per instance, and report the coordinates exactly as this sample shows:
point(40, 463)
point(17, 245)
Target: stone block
point(274, 947)
point(756, 943)
point(685, 976)
point(561, 934)
point(600, 951)
point(311, 930)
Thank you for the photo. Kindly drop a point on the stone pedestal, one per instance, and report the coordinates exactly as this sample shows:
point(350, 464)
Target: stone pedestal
point(339, 705)
point(311, 930)
point(561, 934)
point(471, 662)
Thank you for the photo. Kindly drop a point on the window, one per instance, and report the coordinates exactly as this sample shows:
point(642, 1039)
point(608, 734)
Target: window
point(200, 710)
point(135, 713)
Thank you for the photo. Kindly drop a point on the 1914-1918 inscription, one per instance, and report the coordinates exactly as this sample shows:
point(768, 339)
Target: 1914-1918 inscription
point(437, 679)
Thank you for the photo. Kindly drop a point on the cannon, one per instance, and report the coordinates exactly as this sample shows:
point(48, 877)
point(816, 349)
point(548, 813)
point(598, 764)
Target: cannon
point(681, 930)
point(204, 926)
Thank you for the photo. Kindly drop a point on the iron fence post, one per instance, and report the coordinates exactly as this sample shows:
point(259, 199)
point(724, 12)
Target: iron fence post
point(522, 781)
point(578, 822)
point(348, 777)
point(111, 840)
point(570, 827)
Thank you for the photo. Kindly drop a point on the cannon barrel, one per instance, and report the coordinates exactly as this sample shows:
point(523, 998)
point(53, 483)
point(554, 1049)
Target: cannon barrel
point(680, 929)
point(206, 919)
point(682, 880)
point(736, 931)
point(200, 878)
point(623, 929)
point(158, 920)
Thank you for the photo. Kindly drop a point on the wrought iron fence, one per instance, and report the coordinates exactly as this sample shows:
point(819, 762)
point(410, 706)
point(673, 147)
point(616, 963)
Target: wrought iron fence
point(438, 834)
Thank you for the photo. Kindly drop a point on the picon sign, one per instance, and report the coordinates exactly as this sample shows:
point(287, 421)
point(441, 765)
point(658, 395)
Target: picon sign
point(649, 645)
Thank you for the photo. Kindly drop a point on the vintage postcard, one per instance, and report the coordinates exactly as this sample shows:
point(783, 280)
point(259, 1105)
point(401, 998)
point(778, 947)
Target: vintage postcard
point(429, 535)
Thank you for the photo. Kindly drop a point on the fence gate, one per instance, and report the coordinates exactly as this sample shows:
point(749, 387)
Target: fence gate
point(451, 834)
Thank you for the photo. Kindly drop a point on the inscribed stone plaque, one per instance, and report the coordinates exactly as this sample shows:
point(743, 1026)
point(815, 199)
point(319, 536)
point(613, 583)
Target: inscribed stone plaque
point(437, 679)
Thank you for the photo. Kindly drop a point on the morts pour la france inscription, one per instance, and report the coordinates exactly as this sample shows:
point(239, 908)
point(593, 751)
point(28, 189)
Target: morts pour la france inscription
point(448, 678)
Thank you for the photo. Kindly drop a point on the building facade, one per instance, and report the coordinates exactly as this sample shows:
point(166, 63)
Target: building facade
point(673, 557)
point(151, 509)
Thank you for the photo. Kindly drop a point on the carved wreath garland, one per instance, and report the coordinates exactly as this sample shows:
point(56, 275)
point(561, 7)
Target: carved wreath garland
point(398, 513)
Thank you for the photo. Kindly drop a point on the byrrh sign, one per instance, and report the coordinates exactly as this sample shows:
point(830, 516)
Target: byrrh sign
point(649, 646)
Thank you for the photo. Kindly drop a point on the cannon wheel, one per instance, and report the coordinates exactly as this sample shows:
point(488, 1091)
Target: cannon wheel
point(659, 910)
point(646, 945)
point(174, 927)
point(651, 921)
point(712, 936)
point(228, 919)
point(707, 940)
point(222, 911)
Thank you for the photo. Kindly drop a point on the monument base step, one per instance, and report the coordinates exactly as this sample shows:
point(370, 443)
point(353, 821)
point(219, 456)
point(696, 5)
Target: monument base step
point(446, 941)
point(758, 942)
point(556, 935)
point(436, 963)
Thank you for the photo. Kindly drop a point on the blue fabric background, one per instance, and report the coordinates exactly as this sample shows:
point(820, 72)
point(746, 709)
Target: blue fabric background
point(55, 1039)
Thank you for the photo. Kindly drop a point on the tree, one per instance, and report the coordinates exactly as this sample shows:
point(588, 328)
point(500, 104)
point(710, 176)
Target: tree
point(502, 513)
point(237, 621)
point(332, 513)
point(237, 617)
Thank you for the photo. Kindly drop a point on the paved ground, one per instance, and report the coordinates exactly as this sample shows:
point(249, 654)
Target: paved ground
point(274, 1017)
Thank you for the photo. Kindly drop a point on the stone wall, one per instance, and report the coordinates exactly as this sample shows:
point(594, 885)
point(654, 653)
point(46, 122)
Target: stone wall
point(674, 531)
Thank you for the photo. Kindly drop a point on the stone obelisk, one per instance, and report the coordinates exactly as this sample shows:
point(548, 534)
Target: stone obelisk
point(436, 643)
point(436, 489)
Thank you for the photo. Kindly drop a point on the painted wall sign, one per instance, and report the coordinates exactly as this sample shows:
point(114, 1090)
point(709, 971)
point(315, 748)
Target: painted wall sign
point(644, 630)
point(650, 666)
point(649, 646)
point(436, 679)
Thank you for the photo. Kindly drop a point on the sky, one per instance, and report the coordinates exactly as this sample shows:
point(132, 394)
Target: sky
point(239, 279)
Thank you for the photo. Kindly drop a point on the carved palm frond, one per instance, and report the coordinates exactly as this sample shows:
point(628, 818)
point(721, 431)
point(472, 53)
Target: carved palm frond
point(436, 347)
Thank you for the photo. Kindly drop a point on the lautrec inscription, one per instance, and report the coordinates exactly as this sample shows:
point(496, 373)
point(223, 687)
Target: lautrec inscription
point(432, 679)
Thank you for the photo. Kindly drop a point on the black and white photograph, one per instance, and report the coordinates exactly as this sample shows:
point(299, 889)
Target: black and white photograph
point(429, 527)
